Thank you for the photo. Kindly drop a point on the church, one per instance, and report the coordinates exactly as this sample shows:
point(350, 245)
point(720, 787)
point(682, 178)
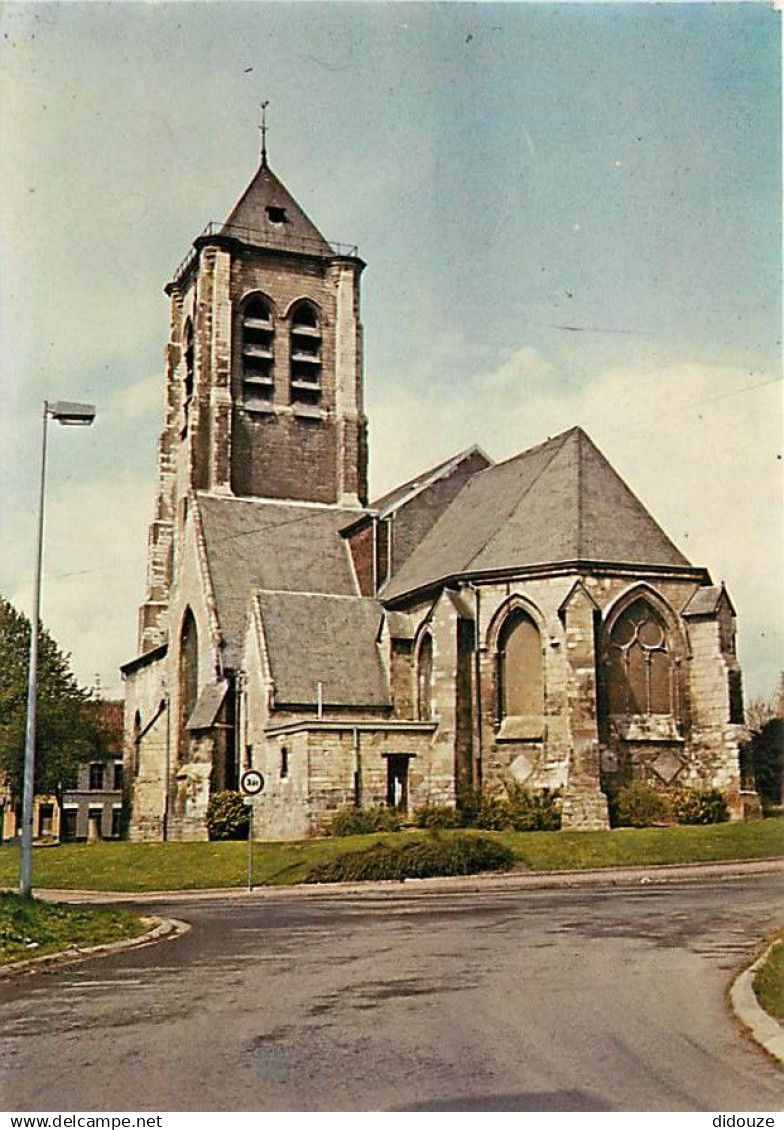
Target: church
point(526, 621)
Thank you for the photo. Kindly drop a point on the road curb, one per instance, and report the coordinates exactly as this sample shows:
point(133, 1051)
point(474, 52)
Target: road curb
point(161, 929)
point(762, 1027)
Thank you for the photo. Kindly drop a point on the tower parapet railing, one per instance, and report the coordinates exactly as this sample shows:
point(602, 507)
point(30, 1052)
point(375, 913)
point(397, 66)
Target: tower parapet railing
point(268, 238)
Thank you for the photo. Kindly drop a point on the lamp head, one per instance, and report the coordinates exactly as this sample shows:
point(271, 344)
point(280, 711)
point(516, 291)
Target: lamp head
point(67, 412)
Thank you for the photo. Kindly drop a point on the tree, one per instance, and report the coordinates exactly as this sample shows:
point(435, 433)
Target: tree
point(765, 748)
point(66, 730)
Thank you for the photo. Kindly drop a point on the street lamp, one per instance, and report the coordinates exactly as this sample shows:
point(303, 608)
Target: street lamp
point(79, 415)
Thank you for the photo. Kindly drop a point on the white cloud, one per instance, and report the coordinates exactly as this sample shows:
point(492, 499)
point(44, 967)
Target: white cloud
point(93, 579)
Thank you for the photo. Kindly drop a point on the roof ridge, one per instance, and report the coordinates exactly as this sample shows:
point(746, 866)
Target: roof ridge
point(417, 483)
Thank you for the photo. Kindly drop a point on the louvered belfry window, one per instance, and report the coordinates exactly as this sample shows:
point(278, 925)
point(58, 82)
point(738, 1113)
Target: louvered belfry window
point(305, 354)
point(258, 353)
point(640, 663)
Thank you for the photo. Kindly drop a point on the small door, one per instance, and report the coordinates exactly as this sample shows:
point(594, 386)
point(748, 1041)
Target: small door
point(45, 819)
point(397, 781)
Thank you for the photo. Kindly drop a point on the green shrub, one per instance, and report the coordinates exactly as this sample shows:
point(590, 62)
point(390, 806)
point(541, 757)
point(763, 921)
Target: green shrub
point(700, 806)
point(640, 805)
point(492, 814)
point(352, 821)
point(227, 816)
point(417, 859)
point(437, 816)
point(521, 810)
point(533, 811)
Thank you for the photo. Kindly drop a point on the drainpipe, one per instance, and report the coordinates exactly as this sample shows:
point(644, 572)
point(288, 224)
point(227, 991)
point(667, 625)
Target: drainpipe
point(165, 706)
point(476, 760)
point(320, 701)
point(357, 769)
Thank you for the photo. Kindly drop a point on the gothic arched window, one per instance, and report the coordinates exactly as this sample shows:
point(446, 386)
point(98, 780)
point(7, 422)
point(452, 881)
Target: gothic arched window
point(258, 353)
point(520, 669)
point(640, 663)
point(424, 672)
point(189, 675)
point(305, 354)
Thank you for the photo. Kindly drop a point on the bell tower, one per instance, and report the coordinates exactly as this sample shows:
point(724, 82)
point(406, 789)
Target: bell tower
point(264, 394)
point(266, 316)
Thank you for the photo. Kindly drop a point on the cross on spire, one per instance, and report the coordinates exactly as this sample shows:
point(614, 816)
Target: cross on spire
point(263, 132)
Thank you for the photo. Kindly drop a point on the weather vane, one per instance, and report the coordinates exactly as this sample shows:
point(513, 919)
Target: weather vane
point(263, 131)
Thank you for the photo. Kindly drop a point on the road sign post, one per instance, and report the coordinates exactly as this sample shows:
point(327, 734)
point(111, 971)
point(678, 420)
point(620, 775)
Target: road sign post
point(251, 785)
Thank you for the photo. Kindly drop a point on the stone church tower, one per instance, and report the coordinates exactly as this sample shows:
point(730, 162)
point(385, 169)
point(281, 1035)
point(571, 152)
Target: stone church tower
point(263, 373)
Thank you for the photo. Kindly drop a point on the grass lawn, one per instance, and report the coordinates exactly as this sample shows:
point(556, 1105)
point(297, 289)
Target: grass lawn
point(769, 984)
point(170, 867)
point(29, 928)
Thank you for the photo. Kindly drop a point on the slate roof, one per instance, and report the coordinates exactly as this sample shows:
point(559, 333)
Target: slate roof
point(558, 502)
point(297, 233)
point(331, 640)
point(208, 706)
point(705, 601)
point(253, 544)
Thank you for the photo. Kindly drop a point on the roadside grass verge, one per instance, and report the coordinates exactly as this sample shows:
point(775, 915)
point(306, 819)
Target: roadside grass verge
point(137, 867)
point(29, 928)
point(769, 983)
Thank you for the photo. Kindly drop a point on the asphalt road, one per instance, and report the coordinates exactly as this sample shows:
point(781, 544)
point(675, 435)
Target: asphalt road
point(502, 1000)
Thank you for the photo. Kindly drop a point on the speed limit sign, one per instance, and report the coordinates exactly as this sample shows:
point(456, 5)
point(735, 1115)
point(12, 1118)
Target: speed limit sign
point(251, 782)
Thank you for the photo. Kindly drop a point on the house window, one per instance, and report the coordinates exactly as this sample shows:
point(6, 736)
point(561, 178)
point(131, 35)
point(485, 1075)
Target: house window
point(96, 776)
point(118, 775)
point(258, 354)
point(520, 671)
point(305, 354)
point(284, 763)
point(640, 667)
point(425, 678)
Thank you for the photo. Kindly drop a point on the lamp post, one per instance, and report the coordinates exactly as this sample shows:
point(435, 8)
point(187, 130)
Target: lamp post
point(71, 414)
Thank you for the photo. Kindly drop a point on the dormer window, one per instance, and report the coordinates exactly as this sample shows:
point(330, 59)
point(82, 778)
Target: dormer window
point(305, 354)
point(258, 354)
point(276, 215)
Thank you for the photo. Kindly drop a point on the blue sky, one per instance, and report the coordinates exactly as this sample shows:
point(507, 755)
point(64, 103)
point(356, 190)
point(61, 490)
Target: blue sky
point(570, 214)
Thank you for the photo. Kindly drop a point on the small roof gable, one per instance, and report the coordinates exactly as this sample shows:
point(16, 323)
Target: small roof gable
point(208, 706)
point(400, 495)
point(252, 544)
point(705, 601)
point(558, 502)
point(268, 215)
point(331, 640)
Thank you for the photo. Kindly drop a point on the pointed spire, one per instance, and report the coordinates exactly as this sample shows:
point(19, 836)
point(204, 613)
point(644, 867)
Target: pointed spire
point(263, 132)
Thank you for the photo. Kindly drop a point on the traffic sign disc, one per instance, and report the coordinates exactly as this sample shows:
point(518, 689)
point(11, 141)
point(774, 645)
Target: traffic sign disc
point(251, 782)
